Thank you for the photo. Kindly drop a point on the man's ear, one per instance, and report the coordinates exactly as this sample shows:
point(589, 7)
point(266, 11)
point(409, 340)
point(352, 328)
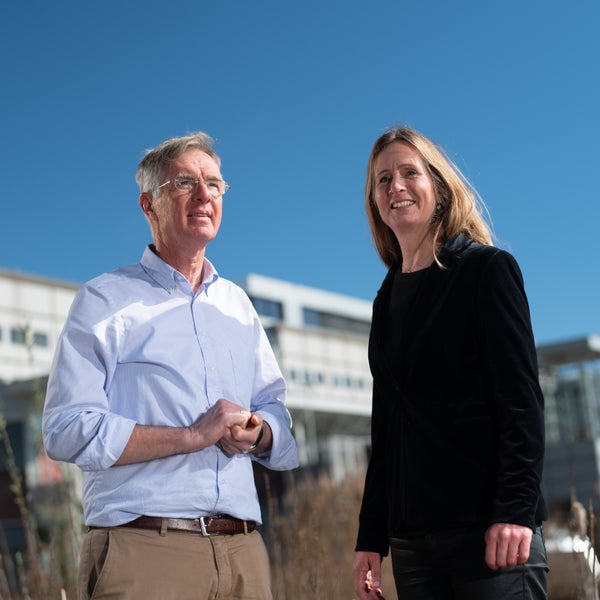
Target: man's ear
point(146, 203)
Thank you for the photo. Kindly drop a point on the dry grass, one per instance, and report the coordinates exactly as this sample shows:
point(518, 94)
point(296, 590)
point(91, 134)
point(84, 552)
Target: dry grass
point(45, 568)
point(312, 540)
point(310, 534)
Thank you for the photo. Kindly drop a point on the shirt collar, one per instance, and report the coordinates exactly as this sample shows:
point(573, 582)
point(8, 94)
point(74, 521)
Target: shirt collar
point(168, 277)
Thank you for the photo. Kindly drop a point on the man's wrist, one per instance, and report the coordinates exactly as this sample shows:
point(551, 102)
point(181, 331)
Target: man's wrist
point(261, 433)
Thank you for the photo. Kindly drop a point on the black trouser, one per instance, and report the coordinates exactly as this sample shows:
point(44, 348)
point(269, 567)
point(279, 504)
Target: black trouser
point(451, 566)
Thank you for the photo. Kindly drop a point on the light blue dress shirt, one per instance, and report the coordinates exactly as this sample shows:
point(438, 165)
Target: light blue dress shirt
point(140, 347)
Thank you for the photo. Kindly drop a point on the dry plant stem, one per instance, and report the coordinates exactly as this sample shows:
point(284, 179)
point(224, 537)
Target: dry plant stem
point(17, 489)
point(311, 540)
point(46, 568)
point(592, 526)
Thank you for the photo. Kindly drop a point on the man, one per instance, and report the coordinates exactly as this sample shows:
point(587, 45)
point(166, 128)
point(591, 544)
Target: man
point(163, 390)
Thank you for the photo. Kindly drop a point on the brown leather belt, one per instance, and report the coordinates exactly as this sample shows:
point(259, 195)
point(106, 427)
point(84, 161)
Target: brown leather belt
point(206, 526)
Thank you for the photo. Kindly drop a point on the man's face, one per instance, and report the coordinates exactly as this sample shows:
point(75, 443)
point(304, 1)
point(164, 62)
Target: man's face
point(186, 220)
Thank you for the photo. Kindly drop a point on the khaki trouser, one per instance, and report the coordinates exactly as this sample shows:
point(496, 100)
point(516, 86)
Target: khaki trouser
point(135, 564)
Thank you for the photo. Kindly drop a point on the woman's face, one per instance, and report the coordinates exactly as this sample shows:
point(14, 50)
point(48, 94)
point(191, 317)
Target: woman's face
point(403, 190)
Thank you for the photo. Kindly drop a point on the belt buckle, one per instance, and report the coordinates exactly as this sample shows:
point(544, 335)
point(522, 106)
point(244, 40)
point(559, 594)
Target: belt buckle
point(203, 525)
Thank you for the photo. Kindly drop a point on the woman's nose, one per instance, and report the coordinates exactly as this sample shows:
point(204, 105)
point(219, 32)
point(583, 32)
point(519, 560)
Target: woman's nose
point(397, 184)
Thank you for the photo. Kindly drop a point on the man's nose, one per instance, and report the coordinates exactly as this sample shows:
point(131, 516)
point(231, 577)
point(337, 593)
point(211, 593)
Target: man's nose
point(202, 192)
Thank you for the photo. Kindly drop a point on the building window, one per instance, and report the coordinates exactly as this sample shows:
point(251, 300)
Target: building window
point(312, 317)
point(22, 336)
point(324, 320)
point(17, 335)
point(40, 339)
point(268, 308)
point(273, 337)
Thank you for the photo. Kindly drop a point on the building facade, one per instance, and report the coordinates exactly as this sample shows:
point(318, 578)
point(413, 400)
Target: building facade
point(32, 313)
point(570, 378)
point(320, 339)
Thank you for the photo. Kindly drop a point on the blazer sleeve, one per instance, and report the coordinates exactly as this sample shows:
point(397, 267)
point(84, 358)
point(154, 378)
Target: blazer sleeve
point(512, 372)
point(373, 518)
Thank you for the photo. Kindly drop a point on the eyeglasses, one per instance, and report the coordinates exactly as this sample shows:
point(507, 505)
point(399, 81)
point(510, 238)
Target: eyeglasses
point(189, 185)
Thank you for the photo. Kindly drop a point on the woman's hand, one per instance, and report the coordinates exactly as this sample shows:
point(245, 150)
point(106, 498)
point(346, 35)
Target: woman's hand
point(367, 575)
point(507, 545)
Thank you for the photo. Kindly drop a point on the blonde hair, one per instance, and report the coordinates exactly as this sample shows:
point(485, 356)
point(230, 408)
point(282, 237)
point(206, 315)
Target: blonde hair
point(460, 207)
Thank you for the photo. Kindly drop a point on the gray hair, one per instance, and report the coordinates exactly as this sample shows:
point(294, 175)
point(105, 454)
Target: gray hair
point(150, 170)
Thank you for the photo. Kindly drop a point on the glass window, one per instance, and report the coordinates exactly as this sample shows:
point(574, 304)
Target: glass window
point(17, 335)
point(268, 308)
point(40, 339)
point(273, 337)
point(315, 318)
point(312, 317)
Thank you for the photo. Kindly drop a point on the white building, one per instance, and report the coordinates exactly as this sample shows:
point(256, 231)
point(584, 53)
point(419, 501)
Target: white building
point(320, 339)
point(570, 378)
point(32, 313)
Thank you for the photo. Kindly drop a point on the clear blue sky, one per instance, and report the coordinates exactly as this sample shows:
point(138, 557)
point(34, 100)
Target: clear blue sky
point(295, 94)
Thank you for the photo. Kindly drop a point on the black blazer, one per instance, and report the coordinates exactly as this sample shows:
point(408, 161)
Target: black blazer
point(457, 422)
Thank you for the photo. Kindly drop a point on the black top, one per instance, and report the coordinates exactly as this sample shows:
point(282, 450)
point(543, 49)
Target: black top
point(405, 290)
point(457, 422)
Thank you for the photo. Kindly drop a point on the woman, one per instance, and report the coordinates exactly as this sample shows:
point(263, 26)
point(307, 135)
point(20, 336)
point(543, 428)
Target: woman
point(453, 484)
